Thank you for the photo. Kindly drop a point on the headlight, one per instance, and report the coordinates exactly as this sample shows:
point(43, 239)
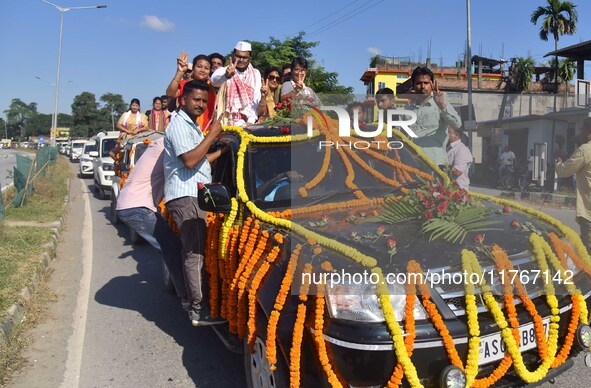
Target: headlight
point(107, 167)
point(360, 303)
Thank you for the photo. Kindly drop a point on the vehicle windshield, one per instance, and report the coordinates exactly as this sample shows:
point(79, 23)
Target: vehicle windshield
point(89, 147)
point(77, 145)
point(107, 145)
point(279, 172)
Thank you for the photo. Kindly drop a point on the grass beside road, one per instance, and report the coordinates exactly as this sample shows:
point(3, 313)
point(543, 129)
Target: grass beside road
point(20, 250)
point(47, 202)
point(20, 256)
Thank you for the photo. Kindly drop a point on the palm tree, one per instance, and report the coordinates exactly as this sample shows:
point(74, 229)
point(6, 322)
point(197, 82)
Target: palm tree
point(558, 18)
point(566, 71)
point(523, 72)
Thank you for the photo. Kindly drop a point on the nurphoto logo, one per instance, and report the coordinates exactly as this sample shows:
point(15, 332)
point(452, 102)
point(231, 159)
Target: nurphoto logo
point(394, 118)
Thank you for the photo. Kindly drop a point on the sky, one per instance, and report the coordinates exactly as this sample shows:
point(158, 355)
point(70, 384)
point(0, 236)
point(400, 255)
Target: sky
point(130, 47)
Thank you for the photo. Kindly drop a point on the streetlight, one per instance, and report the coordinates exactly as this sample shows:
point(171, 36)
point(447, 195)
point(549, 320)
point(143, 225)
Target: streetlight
point(59, 55)
point(49, 82)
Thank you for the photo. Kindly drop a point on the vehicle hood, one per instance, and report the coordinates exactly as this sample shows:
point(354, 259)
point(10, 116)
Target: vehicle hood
point(362, 234)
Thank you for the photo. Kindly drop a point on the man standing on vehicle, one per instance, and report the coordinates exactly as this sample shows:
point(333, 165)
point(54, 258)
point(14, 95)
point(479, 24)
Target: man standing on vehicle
point(580, 164)
point(459, 158)
point(434, 115)
point(506, 160)
point(137, 207)
point(186, 163)
point(242, 92)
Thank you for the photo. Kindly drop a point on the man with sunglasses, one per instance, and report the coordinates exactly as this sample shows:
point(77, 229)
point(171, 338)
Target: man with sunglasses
point(241, 94)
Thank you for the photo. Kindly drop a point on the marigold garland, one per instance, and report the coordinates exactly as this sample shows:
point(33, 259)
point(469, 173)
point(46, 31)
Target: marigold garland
point(298, 332)
point(319, 339)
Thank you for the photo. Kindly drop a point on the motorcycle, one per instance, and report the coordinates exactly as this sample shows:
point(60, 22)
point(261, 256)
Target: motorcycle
point(515, 177)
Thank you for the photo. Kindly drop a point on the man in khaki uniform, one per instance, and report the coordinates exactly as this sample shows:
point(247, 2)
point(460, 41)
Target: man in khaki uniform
point(580, 164)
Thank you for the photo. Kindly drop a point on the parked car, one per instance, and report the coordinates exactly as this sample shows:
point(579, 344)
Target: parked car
point(86, 161)
point(130, 152)
point(76, 150)
point(285, 206)
point(103, 164)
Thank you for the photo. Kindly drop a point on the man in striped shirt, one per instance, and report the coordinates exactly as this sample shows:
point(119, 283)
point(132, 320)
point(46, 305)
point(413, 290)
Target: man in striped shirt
point(186, 163)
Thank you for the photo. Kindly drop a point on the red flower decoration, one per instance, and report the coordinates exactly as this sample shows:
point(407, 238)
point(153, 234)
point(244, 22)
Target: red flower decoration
point(279, 105)
point(381, 229)
point(515, 224)
point(200, 185)
point(391, 243)
point(284, 130)
point(506, 209)
point(479, 238)
point(442, 207)
point(427, 214)
point(428, 203)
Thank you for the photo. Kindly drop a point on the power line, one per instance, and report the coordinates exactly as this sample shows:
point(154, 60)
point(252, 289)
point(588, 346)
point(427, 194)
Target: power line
point(346, 17)
point(327, 16)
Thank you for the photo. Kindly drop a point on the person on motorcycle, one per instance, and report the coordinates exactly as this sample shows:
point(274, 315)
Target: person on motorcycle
point(506, 160)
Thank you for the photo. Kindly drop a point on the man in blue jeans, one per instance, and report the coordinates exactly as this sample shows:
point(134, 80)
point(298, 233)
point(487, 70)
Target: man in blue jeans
point(137, 206)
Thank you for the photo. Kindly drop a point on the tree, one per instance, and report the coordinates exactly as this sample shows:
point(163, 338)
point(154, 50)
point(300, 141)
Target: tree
point(17, 115)
point(566, 71)
point(558, 18)
point(85, 115)
point(523, 72)
point(277, 53)
point(38, 124)
point(113, 108)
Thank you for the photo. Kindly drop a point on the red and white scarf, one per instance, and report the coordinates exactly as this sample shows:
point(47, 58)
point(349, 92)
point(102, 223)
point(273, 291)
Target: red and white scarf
point(240, 92)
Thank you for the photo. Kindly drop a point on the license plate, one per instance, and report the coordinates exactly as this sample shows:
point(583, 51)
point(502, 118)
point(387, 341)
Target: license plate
point(493, 348)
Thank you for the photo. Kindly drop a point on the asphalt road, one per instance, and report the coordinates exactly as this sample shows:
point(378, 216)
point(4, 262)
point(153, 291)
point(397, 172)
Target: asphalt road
point(114, 324)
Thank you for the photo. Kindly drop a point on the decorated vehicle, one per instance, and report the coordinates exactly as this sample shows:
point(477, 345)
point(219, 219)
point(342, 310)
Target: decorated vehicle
point(348, 261)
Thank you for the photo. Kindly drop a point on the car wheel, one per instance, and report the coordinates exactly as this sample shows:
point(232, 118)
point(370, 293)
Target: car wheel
point(114, 218)
point(100, 191)
point(168, 284)
point(256, 366)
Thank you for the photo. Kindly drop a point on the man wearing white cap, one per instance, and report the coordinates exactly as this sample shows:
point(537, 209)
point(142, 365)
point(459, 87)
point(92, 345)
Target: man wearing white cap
point(242, 91)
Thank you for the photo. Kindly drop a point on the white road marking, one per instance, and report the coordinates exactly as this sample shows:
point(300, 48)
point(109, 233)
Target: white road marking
point(76, 341)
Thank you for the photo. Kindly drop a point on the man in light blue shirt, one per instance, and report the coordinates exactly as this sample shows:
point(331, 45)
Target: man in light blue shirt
point(186, 163)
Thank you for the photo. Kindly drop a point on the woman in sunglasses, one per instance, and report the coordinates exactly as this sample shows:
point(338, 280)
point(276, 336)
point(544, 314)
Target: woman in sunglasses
point(269, 93)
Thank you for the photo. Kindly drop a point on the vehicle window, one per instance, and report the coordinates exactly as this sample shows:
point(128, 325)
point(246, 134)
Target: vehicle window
point(139, 151)
point(108, 145)
point(77, 145)
point(277, 172)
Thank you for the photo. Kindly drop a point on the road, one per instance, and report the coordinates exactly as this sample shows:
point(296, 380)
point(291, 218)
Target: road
point(114, 324)
point(127, 331)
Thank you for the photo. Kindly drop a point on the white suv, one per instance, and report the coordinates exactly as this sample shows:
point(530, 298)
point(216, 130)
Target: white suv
point(76, 152)
point(86, 161)
point(103, 164)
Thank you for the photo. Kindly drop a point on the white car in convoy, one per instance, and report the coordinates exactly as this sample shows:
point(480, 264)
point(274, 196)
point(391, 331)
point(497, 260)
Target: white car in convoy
point(76, 152)
point(103, 164)
point(86, 161)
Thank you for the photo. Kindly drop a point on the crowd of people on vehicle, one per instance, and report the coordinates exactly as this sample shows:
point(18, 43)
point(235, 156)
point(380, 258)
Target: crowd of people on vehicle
point(212, 91)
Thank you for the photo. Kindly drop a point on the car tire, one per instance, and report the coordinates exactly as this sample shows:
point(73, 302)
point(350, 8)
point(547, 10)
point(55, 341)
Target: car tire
point(168, 284)
point(114, 218)
point(256, 366)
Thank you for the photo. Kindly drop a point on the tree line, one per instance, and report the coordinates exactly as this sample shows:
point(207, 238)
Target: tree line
point(90, 116)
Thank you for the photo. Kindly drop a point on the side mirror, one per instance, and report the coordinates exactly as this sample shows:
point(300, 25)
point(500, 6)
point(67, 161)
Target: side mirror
point(214, 197)
point(93, 154)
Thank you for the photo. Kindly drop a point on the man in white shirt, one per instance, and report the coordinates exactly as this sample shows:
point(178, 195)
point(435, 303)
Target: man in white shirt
point(505, 161)
point(459, 158)
point(243, 87)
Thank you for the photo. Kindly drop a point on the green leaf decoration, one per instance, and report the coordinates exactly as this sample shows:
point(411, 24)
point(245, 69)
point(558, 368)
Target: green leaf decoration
point(455, 230)
point(394, 212)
